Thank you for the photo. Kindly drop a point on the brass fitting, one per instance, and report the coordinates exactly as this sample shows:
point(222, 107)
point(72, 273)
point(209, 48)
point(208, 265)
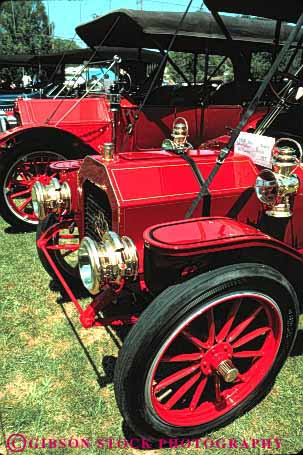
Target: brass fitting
point(180, 132)
point(179, 137)
point(228, 371)
point(276, 188)
point(108, 151)
point(107, 262)
point(52, 198)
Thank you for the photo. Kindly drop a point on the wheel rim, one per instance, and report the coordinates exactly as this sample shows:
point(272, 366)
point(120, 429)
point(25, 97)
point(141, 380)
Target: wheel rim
point(21, 177)
point(185, 384)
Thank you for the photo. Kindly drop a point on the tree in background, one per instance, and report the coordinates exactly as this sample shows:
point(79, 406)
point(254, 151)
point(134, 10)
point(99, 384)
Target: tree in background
point(259, 66)
point(185, 62)
point(62, 44)
point(25, 29)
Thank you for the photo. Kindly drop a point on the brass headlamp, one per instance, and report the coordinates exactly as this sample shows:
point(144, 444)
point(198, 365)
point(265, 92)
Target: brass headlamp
point(52, 198)
point(107, 262)
point(275, 189)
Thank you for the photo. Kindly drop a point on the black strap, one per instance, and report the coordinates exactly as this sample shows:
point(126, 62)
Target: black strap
point(193, 166)
point(250, 110)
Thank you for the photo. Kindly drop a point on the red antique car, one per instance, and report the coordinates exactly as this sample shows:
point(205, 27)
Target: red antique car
point(140, 120)
point(221, 292)
point(60, 126)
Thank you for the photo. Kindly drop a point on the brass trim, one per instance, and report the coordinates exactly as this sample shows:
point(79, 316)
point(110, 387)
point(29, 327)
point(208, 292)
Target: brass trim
point(228, 371)
point(52, 198)
point(107, 262)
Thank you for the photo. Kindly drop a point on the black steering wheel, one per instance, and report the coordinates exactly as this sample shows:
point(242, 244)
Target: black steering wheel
point(292, 90)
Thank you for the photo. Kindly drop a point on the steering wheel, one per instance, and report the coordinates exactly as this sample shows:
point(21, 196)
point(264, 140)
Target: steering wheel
point(290, 76)
point(126, 83)
point(292, 90)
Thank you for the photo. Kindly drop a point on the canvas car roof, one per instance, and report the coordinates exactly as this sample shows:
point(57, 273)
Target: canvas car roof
point(79, 55)
point(128, 28)
point(286, 11)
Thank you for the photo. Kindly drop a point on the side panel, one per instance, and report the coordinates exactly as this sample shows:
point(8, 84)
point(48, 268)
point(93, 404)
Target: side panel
point(88, 110)
point(89, 120)
point(218, 118)
point(155, 123)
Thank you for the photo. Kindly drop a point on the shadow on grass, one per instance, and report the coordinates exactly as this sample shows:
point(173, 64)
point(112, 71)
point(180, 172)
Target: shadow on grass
point(117, 335)
point(79, 292)
point(108, 362)
point(298, 346)
point(15, 230)
point(123, 308)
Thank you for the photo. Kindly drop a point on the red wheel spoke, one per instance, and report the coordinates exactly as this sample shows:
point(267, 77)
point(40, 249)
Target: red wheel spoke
point(25, 203)
point(69, 236)
point(211, 327)
point(197, 395)
point(251, 336)
point(183, 357)
point(230, 319)
point(24, 177)
point(244, 354)
point(20, 182)
point(175, 377)
point(20, 193)
point(242, 326)
point(182, 391)
point(194, 340)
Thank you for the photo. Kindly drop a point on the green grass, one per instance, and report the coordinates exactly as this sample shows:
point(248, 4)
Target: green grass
point(49, 387)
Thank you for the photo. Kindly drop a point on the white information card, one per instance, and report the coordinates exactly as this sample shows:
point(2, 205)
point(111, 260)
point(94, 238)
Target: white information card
point(258, 148)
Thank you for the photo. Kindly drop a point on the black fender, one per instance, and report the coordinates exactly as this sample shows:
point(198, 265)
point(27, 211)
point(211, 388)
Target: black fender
point(203, 244)
point(44, 136)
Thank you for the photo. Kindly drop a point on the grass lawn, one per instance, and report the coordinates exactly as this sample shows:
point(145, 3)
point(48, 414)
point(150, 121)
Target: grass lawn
point(56, 377)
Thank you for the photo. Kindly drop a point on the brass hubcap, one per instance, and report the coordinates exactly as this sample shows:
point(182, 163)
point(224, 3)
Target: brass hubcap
point(228, 371)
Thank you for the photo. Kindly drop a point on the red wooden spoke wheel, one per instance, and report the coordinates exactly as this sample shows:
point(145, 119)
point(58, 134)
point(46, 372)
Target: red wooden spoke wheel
point(205, 369)
point(17, 176)
point(206, 351)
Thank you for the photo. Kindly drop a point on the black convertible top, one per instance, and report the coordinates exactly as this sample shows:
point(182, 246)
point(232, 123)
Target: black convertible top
point(15, 60)
point(77, 56)
point(288, 11)
point(152, 29)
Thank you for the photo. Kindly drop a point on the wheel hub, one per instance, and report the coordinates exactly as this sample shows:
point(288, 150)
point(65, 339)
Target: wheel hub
point(19, 178)
point(228, 371)
point(217, 360)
